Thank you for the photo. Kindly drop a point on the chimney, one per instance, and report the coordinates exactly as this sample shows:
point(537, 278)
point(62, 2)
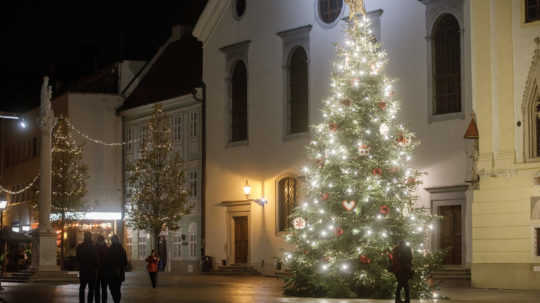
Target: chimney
point(177, 31)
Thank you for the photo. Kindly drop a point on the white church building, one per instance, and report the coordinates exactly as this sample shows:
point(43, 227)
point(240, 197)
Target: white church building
point(267, 65)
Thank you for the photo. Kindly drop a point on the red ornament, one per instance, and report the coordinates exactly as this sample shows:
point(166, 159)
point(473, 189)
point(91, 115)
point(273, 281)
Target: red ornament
point(364, 259)
point(320, 163)
point(384, 210)
point(346, 102)
point(381, 105)
point(363, 150)
point(348, 205)
point(339, 231)
point(403, 140)
point(333, 127)
point(377, 171)
point(394, 169)
point(411, 180)
point(325, 196)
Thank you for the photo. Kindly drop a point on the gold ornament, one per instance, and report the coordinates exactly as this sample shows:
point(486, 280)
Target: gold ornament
point(356, 6)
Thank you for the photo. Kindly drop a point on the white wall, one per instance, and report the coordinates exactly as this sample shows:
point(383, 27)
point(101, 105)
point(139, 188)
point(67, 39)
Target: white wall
point(95, 116)
point(524, 46)
point(267, 156)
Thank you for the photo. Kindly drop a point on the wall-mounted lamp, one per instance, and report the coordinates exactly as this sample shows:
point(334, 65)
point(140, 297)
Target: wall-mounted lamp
point(247, 190)
point(22, 123)
point(3, 204)
point(261, 201)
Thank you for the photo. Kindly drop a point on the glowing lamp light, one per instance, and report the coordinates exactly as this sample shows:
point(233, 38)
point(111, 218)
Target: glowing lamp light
point(3, 204)
point(15, 229)
point(23, 124)
point(26, 228)
point(247, 190)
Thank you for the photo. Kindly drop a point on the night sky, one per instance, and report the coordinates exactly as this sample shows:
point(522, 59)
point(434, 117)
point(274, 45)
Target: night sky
point(70, 39)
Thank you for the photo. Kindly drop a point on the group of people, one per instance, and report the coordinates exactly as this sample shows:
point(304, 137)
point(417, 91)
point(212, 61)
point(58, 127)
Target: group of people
point(101, 267)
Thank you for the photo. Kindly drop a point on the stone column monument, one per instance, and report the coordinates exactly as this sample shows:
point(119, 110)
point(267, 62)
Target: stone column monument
point(46, 236)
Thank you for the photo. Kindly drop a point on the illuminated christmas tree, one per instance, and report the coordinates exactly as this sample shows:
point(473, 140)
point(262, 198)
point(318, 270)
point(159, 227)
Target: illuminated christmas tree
point(157, 192)
point(69, 175)
point(360, 189)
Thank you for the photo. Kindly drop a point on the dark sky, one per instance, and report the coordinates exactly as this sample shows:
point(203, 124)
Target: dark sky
point(70, 39)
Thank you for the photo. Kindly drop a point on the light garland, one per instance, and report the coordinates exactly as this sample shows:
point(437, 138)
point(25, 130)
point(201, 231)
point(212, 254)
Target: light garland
point(97, 141)
point(27, 187)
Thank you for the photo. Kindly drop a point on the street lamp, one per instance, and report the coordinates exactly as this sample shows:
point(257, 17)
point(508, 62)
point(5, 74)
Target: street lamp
point(3, 205)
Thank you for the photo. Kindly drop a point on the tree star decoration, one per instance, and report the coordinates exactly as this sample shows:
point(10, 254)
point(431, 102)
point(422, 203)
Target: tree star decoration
point(356, 6)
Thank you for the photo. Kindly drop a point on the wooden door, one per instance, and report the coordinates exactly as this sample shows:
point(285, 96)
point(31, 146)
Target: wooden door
point(450, 233)
point(240, 240)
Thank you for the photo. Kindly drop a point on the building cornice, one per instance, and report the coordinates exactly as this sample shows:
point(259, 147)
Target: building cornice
point(209, 19)
point(184, 101)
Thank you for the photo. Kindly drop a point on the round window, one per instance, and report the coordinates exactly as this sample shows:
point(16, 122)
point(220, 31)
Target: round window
point(329, 10)
point(240, 8)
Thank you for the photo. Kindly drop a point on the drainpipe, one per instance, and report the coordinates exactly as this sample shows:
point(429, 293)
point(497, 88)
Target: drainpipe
point(203, 164)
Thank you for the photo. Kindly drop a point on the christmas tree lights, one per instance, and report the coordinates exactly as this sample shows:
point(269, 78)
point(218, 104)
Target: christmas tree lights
point(360, 189)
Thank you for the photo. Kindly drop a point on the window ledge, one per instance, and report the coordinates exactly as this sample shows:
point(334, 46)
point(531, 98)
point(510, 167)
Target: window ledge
point(445, 117)
point(294, 136)
point(237, 143)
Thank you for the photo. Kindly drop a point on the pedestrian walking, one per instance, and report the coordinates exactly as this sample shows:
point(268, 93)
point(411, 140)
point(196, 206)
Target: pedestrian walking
point(88, 263)
point(115, 268)
point(402, 269)
point(152, 267)
point(162, 253)
point(101, 282)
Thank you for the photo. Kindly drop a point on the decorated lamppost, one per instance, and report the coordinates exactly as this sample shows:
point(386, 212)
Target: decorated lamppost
point(45, 238)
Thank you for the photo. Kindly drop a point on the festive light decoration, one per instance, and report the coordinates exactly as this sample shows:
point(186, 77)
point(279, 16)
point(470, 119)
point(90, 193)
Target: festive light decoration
point(69, 175)
point(97, 141)
point(359, 152)
point(299, 223)
point(22, 190)
point(157, 193)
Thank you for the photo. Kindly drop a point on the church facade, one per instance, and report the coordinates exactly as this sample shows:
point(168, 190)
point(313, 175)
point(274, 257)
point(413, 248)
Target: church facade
point(267, 68)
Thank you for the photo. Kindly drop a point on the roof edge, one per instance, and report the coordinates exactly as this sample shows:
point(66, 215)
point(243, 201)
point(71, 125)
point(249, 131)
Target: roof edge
point(209, 19)
point(177, 33)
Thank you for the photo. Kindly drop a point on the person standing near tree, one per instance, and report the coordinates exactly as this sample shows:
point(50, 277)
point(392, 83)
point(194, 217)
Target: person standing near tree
point(402, 269)
point(115, 268)
point(88, 263)
point(101, 282)
point(152, 267)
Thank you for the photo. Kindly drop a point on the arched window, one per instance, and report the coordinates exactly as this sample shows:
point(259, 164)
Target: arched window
point(298, 91)
point(240, 8)
point(287, 194)
point(446, 51)
point(532, 10)
point(239, 131)
point(531, 109)
point(329, 10)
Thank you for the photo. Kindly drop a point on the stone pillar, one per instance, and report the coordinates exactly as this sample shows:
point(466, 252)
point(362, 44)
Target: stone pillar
point(46, 234)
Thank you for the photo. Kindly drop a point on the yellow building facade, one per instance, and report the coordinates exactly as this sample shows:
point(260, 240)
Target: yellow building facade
point(505, 62)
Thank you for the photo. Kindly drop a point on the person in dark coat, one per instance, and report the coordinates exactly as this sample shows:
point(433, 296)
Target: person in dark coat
point(101, 282)
point(402, 269)
point(88, 263)
point(152, 267)
point(115, 268)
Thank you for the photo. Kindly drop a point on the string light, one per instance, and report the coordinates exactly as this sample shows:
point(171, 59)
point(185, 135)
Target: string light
point(22, 190)
point(97, 141)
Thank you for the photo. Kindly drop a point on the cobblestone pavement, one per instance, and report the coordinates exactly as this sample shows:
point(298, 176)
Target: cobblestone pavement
point(223, 289)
